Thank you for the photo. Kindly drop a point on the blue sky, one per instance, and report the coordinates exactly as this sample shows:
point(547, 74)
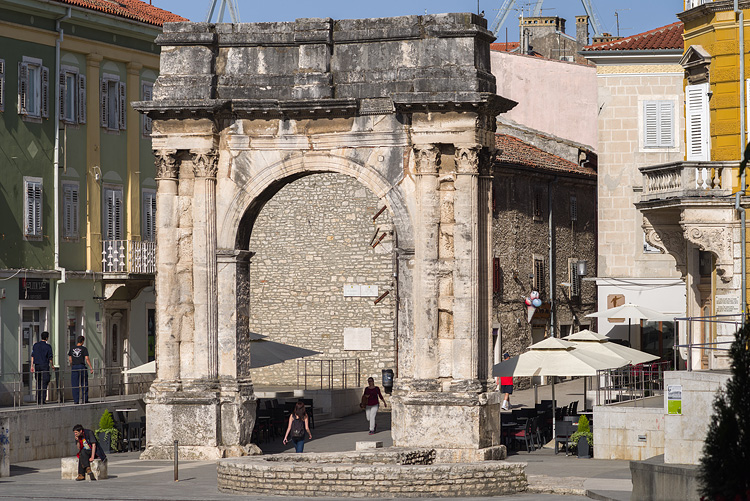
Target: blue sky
point(636, 16)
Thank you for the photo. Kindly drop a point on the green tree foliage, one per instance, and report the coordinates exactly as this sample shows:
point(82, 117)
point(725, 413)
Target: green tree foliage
point(724, 472)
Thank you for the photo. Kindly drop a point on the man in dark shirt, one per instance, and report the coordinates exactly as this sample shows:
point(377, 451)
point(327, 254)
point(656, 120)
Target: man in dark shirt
point(88, 450)
point(41, 359)
point(79, 357)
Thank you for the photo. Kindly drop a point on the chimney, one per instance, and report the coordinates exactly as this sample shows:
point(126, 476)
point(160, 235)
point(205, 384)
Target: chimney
point(582, 30)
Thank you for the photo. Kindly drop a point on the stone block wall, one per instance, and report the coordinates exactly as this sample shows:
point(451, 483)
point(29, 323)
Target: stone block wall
point(629, 430)
point(314, 237)
point(519, 238)
point(313, 478)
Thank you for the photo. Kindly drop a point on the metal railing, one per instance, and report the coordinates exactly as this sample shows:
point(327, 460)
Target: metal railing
point(328, 374)
point(19, 389)
point(683, 179)
point(631, 382)
point(697, 327)
point(128, 256)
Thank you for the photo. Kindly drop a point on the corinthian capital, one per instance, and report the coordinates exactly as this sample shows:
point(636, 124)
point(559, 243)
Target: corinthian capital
point(205, 162)
point(467, 159)
point(427, 158)
point(167, 166)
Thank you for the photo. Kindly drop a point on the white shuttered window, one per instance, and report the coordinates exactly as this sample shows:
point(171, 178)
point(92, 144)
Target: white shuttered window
point(32, 207)
point(112, 218)
point(70, 210)
point(658, 124)
point(697, 125)
point(113, 103)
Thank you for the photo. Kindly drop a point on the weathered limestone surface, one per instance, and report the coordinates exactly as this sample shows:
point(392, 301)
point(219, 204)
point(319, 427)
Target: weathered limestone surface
point(385, 473)
point(404, 105)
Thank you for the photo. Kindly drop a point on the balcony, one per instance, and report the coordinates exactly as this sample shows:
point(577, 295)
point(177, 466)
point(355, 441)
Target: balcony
point(687, 180)
point(128, 257)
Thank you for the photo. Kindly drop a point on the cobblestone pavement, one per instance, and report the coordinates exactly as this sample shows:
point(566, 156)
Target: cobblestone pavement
point(551, 477)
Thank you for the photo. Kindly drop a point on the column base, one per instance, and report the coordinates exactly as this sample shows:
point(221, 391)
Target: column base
point(462, 422)
point(209, 419)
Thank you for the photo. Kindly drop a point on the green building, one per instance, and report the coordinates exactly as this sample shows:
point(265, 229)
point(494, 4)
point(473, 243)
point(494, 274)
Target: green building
point(77, 186)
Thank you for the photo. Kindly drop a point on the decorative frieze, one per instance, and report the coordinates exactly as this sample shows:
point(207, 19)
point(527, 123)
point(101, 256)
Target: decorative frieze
point(167, 165)
point(467, 159)
point(205, 163)
point(426, 158)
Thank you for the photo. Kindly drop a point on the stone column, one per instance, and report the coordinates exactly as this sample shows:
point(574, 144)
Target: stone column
point(206, 335)
point(427, 237)
point(466, 266)
point(167, 295)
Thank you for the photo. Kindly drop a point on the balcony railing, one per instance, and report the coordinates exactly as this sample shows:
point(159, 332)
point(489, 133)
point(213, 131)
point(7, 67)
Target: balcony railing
point(128, 256)
point(687, 179)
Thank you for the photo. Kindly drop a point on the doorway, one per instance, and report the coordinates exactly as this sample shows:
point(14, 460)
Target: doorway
point(31, 329)
point(114, 349)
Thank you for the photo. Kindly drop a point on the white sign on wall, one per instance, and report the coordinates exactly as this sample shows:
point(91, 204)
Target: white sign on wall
point(352, 290)
point(369, 291)
point(357, 339)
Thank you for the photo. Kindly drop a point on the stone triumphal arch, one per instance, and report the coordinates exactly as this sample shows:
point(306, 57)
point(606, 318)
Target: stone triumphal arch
point(406, 106)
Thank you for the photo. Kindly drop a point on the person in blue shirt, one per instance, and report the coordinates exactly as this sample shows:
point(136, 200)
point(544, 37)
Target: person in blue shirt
point(41, 360)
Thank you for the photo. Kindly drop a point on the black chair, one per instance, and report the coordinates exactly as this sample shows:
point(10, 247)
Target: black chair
point(310, 411)
point(525, 434)
point(563, 431)
point(135, 436)
point(573, 408)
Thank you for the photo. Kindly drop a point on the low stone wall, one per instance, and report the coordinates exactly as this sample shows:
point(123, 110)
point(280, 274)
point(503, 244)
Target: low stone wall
point(43, 432)
point(382, 473)
point(653, 479)
point(629, 430)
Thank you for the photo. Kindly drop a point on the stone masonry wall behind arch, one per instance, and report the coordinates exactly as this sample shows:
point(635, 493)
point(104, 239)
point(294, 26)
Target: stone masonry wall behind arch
point(312, 238)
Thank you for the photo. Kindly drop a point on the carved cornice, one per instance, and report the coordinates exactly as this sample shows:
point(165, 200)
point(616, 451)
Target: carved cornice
point(427, 158)
point(167, 165)
point(205, 163)
point(714, 239)
point(467, 159)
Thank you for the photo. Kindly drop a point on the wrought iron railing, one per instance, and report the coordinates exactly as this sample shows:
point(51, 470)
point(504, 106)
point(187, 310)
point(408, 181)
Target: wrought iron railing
point(328, 374)
point(128, 256)
point(19, 389)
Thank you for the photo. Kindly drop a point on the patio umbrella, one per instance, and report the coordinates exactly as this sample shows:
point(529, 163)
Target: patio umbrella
point(147, 368)
point(597, 344)
point(555, 357)
point(631, 311)
point(264, 352)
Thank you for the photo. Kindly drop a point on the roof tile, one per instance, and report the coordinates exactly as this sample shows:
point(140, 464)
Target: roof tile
point(664, 38)
point(136, 10)
point(515, 151)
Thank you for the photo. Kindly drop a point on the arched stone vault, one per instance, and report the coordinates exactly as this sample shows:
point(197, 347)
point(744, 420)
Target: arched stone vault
point(404, 105)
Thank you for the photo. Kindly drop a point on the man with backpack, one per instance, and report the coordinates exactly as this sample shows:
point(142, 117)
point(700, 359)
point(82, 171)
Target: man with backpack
point(88, 450)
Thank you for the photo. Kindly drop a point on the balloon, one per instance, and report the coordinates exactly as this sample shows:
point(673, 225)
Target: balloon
point(536, 302)
point(527, 301)
point(534, 294)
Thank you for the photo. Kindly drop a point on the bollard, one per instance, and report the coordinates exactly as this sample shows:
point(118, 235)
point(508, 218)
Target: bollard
point(175, 461)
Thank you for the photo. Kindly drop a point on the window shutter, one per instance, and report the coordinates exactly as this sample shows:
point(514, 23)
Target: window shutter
point(696, 116)
point(45, 92)
point(146, 121)
point(23, 88)
point(81, 99)
point(666, 124)
point(573, 208)
point(104, 99)
point(123, 106)
point(747, 109)
point(496, 277)
point(149, 216)
point(61, 104)
point(38, 209)
point(118, 215)
point(575, 280)
point(539, 275)
point(651, 124)
point(74, 216)
point(29, 209)
point(33, 208)
point(113, 218)
point(70, 211)
point(2, 85)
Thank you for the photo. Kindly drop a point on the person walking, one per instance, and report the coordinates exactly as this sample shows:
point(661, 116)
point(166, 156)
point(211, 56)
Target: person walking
point(78, 356)
point(506, 386)
point(41, 360)
point(298, 427)
point(372, 393)
point(88, 450)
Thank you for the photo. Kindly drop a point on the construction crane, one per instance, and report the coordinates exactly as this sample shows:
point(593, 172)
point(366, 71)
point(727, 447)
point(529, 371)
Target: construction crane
point(504, 11)
point(233, 11)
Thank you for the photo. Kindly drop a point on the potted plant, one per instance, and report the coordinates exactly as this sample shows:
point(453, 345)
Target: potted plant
point(584, 431)
point(107, 434)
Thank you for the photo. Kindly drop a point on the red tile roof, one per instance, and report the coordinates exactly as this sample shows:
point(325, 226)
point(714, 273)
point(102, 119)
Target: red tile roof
point(131, 9)
point(515, 151)
point(504, 46)
point(664, 38)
